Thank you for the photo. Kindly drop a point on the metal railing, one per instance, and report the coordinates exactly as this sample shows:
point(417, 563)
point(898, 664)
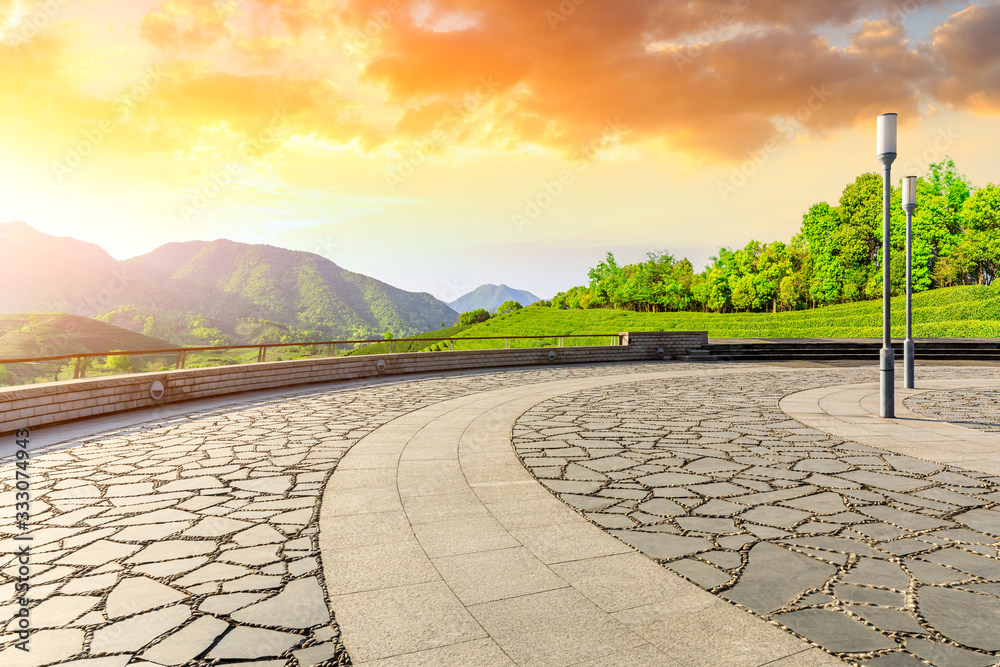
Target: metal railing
point(80, 368)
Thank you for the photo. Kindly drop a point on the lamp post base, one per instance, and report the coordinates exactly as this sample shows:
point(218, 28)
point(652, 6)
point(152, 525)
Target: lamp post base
point(908, 363)
point(887, 385)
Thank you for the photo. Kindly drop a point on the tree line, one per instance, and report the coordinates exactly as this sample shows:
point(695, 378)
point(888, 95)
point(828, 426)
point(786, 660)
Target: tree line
point(835, 258)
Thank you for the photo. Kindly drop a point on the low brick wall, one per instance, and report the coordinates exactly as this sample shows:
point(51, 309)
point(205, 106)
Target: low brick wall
point(58, 402)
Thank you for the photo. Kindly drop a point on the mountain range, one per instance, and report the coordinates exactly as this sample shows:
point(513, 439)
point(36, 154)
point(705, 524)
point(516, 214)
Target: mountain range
point(490, 297)
point(220, 286)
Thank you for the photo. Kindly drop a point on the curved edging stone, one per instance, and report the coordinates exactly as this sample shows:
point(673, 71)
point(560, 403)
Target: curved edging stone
point(851, 412)
point(440, 548)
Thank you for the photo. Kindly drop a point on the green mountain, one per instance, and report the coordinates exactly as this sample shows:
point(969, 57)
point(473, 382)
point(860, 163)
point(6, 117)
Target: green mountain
point(233, 283)
point(207, 292)
point(490, 297)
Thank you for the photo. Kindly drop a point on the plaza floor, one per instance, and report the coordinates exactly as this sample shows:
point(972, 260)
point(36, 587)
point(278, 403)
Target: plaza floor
point(643, 514)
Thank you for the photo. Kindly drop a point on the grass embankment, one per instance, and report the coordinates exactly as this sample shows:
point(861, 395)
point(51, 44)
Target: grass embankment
point(954, 312)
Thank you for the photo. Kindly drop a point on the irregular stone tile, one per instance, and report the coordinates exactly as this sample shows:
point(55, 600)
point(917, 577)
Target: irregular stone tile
point(884, 481)
point(252, 582)
point(587, 503)
point(212, 572)
point(98, 553)
point(89, 584)
point(134, 633)
point(190, 484)
point(244, 642)
point(821, 465)
point(137, 594)
point(719, 508)
point(988, 568)
point(869, 571)
point(838, 544)
point(774, 577)
point(820, 503)
point(149, 533)
point(158, 516)
point(258, 535)
point(888, 620)
point(672, 479)
point(187, 643)
point(59, 611)
point(662, 545)
point(47, 646)
point(985, 521)
point(861, 594)
point(216, 527)
point(834, 631)
point(661, 507)
point(904, 547)
point(905, 520)
point(776, 517)
point(706, 525)
point(172, 550)
point(967, 618)
point(898, 659)
point(272, 485)
point(227, 603)
point(251, 555)
point(300, 604)
point(702, 574)
point(169, 568)
point(944, 655)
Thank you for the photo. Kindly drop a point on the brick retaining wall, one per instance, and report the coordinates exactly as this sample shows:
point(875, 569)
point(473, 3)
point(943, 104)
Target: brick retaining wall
point(57, 402)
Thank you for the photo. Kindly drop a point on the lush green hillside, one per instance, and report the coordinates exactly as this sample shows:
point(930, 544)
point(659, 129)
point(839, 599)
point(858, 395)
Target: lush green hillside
point(489, 297)
point(208, 293)
point(50, 334)
point(969, 311)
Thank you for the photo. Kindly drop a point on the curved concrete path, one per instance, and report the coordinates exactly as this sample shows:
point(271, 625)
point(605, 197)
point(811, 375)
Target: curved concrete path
point(852, 412)
point(438, 547)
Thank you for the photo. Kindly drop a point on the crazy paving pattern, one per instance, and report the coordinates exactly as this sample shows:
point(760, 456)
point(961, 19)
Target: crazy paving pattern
point(880, 559)
point(977, 409)
point(194, 540)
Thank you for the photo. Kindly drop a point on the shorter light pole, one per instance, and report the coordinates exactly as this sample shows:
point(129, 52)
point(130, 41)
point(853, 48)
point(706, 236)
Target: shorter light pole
point(909, 204)
point(885, 151)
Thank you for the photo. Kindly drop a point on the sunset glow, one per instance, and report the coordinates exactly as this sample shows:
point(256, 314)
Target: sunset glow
point(440, 144)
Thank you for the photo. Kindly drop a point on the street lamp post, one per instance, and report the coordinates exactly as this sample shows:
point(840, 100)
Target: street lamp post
point(886, 153)
point(909, 204)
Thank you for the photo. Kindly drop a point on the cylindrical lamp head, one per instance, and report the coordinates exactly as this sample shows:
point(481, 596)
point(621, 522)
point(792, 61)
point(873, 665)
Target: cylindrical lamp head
point(910, 191)
point(885, 141)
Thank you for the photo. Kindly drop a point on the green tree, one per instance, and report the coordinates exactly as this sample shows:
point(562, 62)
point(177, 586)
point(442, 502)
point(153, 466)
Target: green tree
point(119, 364)
point(473, 317)
point(508, 307)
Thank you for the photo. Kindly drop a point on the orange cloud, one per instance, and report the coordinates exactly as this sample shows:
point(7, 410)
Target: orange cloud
point(965, 49)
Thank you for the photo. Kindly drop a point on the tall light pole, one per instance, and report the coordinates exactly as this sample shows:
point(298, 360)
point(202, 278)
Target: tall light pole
point(886, 152)
point(909, 204)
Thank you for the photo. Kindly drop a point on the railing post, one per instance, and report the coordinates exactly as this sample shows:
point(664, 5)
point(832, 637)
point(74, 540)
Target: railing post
point(180, 364)
point(83, 367)
point(329, 350)
point(392, 347)
point(451, 345)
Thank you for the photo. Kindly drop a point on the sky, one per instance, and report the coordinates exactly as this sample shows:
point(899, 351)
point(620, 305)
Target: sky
point(441, 144)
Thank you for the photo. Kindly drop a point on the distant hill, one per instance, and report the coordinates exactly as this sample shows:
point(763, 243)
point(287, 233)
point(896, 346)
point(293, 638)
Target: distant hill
point(207, 291)
point(229, 281)
point(490, 297)
point(49, 274)
point(51, 334)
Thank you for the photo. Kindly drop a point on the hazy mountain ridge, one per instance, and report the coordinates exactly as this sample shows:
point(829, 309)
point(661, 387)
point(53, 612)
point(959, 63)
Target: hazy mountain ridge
point(490, 297)
point(223, 281)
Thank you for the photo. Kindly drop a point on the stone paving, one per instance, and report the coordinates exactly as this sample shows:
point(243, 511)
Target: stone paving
point(880, 559)
point(194, 540)
point(976, 409)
